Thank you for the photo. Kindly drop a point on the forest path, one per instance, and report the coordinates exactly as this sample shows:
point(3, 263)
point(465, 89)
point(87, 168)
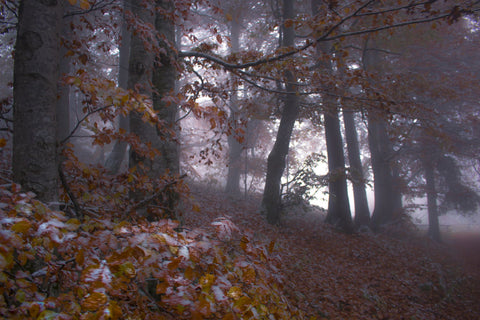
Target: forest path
point(330, 275)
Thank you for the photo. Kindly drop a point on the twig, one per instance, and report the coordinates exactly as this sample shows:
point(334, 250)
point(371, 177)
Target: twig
point(144, 202)
point(78, 210)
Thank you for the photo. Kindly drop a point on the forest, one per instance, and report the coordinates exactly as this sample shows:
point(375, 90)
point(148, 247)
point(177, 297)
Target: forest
point(239, 159)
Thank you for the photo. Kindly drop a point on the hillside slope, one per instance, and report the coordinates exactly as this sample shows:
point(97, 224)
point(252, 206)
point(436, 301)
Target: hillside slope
point(330, 275)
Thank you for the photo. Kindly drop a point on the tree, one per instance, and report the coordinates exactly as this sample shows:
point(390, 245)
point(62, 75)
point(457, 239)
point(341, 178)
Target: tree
point(234, 145)
point(164, 77)
point(37, 56)
point(117, 155)
point(362, 213)
point(276, 159)
point(388, 198)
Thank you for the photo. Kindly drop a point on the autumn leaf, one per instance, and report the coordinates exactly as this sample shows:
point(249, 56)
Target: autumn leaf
point(288, 23)
point(94, 301)
point(84, 4)
point(234, 293)
point(22, 226)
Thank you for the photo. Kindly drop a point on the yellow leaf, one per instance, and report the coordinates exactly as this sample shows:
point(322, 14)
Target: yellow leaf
point(207, 281)
point(3, 142)
point(94, 301)
point(234, 293)
point(173, 250)
point(80, 257)
point(22, 226)
point(249, 274)
point(229, 316)
point(128, 270)
point(34, 310)
point(73, 2)
point(20, 296)
point(47, 315)
point(73, 224)
point(84, 4)
point(189, 273)
point(229, 17)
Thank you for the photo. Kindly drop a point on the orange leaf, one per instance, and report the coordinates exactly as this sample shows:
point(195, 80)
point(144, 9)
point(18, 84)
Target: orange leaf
point(288, 23)
point(94, 301)
point(80, 257)
point(84, 4)
point(22, 226)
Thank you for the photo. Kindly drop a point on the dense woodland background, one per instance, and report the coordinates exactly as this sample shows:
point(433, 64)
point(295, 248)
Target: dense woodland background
point(160, 158)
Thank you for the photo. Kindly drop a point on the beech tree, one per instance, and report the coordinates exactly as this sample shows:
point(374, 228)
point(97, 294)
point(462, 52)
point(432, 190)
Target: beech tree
point(117, 155)
point(276, 158)
point(362, 212)
point(37, 56)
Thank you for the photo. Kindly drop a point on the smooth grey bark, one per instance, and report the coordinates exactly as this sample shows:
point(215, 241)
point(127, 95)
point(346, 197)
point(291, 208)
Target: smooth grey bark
point(387, 195)
point(388, 198)
point(164, 77)
point(139, 77)
point(276, 159)
point(63, 102)
point(362, 213)
point(234, 146)
point(37, 56)
point(338, 213)
point(117, 155)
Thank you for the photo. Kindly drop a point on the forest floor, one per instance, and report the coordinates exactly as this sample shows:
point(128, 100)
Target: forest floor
point(398, 274)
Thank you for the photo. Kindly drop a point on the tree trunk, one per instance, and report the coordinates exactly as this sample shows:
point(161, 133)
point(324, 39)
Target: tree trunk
point(338, 206)
point(139, 76)
point(116, 157)
point(276, 159)
point(362, 213)
point(433, 224)
point(387, 195)
point(388, 198)
point(63, 102)
point(234, 146)
point(37, 56)
point(164, 77)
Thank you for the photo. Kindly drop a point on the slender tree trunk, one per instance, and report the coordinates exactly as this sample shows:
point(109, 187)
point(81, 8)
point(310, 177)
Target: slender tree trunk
point(140, 75)
point(164, 77)
point(116, 157)
point(276, 159)
point(37, 56)
point(234, 146)
point(362, 213)
point(338, 205)
point(433, 223)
